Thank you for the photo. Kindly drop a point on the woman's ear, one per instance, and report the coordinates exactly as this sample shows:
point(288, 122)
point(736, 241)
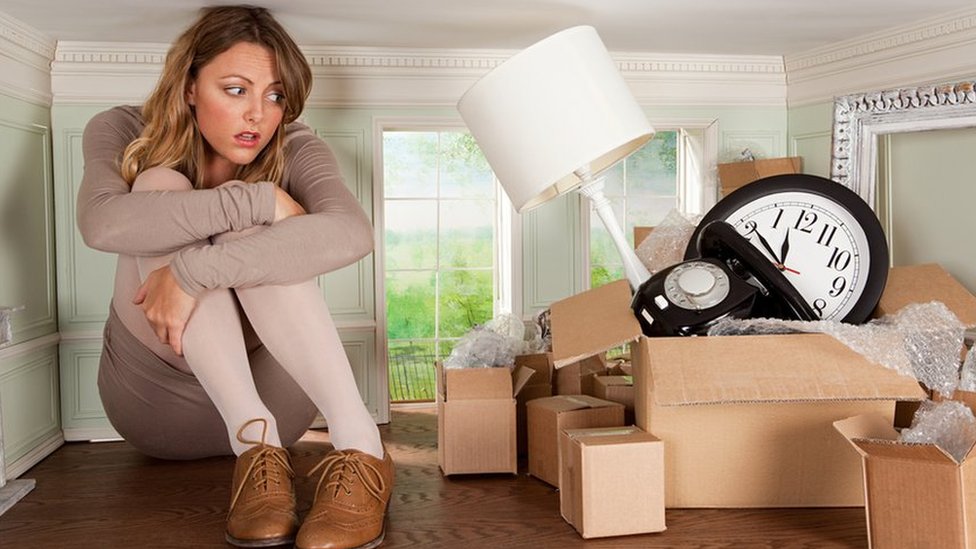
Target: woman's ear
point(191, 91)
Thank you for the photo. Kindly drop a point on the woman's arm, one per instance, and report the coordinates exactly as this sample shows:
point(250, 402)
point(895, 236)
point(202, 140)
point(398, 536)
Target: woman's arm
point(334, 233)
point(112, 219)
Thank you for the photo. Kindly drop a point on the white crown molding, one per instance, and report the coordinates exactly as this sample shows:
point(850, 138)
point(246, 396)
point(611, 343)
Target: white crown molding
point(86, 72)
point(935, 50)
point(25, 62)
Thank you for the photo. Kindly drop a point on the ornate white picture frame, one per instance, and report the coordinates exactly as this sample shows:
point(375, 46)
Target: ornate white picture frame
point(859, 120)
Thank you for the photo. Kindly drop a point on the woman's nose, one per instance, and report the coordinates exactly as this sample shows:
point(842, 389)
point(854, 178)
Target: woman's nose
point(255, 111)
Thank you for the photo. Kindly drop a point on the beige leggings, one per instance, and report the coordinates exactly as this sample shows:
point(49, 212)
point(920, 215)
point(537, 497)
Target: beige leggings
point(291, 322)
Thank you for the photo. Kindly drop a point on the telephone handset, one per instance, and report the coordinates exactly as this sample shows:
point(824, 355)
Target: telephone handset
point(730, 279)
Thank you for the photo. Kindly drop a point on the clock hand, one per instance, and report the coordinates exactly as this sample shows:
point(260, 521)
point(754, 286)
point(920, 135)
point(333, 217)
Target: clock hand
point(769, 249)
point(785, 249)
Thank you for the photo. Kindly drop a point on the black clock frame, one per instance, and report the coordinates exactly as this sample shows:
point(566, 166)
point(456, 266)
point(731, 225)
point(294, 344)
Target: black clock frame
point(877, 275)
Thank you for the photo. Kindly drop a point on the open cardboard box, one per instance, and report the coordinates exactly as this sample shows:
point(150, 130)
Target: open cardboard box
point(611, 481)
point(476, 418)
point(747, 420)
point(916, 495)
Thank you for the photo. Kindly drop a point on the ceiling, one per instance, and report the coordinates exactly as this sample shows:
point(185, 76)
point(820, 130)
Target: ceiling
point(728, 27)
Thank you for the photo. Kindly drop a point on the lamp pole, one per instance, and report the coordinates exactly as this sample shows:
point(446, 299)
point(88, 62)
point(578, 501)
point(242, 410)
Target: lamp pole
point(592, 188)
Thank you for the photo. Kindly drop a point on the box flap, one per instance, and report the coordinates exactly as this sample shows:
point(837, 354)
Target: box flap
point(541, 363)
point(615, 381)
point(477, 383)
point(566, 403)
point(520, 377)
point(866, 426)
point(591, 322)
point(891, 449)
point(924, 283)
point(768, 368)
point(873, 436)
point(597, 436)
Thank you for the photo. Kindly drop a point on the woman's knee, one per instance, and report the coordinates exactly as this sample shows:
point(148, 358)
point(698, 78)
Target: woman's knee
point(159, 178)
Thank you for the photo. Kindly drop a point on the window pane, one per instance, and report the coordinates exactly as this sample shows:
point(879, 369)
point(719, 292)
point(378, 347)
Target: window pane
point(614, 180)
point(601, 274)
point(410, 234)
point(464, 170)
point(648, 211)
point(467, 228)
point(654, 168)
point(410, 305)
point(410, 164)
point(465, 301)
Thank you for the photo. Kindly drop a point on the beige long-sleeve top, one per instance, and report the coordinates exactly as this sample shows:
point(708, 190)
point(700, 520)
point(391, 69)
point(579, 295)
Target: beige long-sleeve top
point(334, 233)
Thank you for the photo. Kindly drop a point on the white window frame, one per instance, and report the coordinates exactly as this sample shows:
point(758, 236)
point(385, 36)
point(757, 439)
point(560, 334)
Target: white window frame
point(697, 189)
point(507, 249)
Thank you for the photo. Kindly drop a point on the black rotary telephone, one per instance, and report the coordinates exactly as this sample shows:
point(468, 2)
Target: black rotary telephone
point(731, 278)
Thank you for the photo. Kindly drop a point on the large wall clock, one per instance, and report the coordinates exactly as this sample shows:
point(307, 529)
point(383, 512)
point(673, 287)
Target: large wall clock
point(823, 237)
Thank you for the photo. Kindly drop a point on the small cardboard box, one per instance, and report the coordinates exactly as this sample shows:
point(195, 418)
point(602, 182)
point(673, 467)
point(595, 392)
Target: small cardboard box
point(548, 416)
point(916, 495)
point(476, 419)
point(538, 386)
point(747, 419)
point(733, 175)
point(611, 481)
point(577, 378)
point(616, 389)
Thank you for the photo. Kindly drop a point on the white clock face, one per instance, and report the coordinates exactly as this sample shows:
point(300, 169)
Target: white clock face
point(817, 244)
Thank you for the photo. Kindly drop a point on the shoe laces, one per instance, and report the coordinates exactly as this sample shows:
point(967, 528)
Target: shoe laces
point(266, 464)
point(341, 469)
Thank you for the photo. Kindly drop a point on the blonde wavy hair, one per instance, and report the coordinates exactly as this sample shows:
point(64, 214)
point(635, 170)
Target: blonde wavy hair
point(171, 137)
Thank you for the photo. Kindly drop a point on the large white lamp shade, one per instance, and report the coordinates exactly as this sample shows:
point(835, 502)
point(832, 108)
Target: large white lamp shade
point(551, 117)
point(551, 109)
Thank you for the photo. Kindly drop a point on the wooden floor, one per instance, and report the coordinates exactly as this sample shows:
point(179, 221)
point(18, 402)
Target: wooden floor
point(107, 495)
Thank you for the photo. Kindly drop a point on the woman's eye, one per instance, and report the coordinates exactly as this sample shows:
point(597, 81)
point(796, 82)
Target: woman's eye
point(276, 97)
point(234, 90)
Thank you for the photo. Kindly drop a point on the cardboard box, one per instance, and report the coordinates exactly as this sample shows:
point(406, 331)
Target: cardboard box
point(538, 386)
point(548, 416)
point(611, 481)
point(924, 283)
point(617, 389)
point(476, 419)
point(733, 175)
point(577, 378)
point(747, 419)
point(917, 495)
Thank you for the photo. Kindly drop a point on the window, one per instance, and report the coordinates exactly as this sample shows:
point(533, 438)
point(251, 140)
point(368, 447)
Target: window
point(441, 239)
point(642, 189)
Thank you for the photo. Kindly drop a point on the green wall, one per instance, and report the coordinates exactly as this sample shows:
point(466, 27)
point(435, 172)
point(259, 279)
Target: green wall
point(29, 399)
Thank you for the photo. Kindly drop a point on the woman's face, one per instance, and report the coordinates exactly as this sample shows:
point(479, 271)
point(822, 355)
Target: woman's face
point(238, 102)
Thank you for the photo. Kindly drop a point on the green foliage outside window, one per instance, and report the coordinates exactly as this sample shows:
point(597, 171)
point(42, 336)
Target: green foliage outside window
point(438, 249)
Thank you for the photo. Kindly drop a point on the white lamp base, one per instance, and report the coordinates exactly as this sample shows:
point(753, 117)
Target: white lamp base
point(592, 188)
point(14, 491)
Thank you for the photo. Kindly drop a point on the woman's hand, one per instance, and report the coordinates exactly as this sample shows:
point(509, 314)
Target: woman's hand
point(285, 205)
point(166, 306)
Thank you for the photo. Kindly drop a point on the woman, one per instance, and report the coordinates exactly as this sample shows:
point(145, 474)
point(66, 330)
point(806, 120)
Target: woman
point(222, 210)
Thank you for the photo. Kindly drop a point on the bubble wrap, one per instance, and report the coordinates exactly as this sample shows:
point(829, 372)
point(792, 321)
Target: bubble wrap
point(967, 376)
point(666, 244)
point(921, 340)
point(495, 343)
point(948, 424)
